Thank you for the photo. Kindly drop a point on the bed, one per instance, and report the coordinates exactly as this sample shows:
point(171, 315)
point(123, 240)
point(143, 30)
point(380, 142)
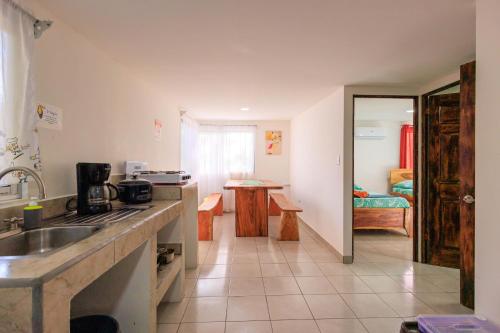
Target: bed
point(379, 211)
point(401, 182)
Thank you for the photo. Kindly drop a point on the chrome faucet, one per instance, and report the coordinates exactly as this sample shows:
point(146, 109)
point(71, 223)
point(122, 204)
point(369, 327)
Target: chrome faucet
point(30, 172)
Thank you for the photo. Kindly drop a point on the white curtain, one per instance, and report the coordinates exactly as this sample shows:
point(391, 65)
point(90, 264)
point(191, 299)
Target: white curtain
point(18, 137)
point(189, 146)
point(225, 152)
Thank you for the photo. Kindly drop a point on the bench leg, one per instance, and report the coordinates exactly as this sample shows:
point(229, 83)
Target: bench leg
point(219, 208)
point(205, 226)
point(289, 229)
point(274, 209)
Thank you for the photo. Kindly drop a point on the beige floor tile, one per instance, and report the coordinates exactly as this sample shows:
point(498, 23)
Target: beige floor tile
point(246, 258)
point(214, 271)
point(368, 306)
point(271, 257)
point(298, 257)
point(348, 284)
point(324, 257)
point(211, 287)
point(315, 285)
point(366, 269)
point(218, 258)
point(246, 287)
point(444, 282)
point(328, 306)
point(294, 326)
point(415, 283)
point(340, 326)
point(171, 313)
point(396, 268)
point(382, 284)
point(167, 328)
point(246, 308)
point(444, 303)
point(269, 270)
point(206, 309)
point(202, 328)
point(249, 327)
point(281, 286)
point(305, 269)
point(189, 285)
point(405, 304)
point(288, 307)
point(245, 270)
point(335, 269)
point(382, 325)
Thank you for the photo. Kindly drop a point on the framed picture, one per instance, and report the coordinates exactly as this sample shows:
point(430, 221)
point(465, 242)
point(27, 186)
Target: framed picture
point(273, 142)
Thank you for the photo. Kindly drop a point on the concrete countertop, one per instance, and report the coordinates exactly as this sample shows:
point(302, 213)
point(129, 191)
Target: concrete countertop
point(36, 270)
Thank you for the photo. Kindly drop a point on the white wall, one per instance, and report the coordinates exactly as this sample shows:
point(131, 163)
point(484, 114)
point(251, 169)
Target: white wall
point(108, 111)
point(373, 158)
point(273, 167)
point(315, 174)
point(487, 159)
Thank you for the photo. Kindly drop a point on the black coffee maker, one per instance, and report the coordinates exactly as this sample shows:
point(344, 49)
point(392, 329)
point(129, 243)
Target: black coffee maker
point(94, 194)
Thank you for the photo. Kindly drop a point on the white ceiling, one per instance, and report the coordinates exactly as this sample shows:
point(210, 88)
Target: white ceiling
point(383, 109)
point(277, 57)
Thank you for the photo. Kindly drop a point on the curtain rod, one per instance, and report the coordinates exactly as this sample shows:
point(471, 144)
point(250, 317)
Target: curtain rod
point(39, 26)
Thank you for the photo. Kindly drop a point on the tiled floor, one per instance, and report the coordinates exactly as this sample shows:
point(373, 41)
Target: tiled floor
point(260, 285)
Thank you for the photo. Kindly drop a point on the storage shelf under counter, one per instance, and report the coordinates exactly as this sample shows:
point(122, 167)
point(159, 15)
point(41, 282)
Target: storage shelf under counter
point(166, 276)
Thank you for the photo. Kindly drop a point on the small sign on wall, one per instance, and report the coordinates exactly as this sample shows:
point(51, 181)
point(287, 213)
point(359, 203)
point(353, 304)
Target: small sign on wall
point(158, 129)
point(49, 116)
point(273, 142)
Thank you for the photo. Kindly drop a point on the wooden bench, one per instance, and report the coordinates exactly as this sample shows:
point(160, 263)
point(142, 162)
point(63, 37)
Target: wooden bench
point(210, 207)
point(279, 205)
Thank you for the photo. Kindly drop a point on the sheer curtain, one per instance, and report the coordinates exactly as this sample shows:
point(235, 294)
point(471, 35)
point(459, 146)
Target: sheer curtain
point(18, 137)
point(189, 146)
point(225, 152)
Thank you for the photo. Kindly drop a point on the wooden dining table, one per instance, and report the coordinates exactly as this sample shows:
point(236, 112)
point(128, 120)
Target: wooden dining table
point(251, 201)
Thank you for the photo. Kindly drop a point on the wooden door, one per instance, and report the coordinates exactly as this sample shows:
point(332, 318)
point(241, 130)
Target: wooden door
point(443, 215)
point(467, 181)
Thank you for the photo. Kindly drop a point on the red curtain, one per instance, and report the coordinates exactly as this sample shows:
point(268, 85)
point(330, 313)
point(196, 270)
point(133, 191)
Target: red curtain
point(406, 147)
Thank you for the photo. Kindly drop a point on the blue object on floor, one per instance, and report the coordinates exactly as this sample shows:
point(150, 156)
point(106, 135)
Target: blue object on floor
point(455, 324)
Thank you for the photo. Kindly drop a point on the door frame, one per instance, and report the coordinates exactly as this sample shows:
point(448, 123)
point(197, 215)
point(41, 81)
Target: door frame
point(416, 136)
point(467, 84)
point(425, 227)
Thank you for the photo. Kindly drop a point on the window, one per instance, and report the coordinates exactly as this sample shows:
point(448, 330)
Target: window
point(227, 150)
point(224, 152)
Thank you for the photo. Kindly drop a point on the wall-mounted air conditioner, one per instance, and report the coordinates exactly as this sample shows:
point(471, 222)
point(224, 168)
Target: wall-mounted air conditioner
point(369, 133)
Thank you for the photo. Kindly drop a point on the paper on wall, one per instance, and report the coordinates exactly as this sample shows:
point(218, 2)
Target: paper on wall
point(49, 116)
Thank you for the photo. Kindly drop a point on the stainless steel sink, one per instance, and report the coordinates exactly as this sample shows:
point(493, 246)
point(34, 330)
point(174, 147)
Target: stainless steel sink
point(42, 241)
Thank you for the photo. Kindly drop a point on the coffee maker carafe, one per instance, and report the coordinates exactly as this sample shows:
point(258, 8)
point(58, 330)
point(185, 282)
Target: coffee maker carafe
point(94, 194)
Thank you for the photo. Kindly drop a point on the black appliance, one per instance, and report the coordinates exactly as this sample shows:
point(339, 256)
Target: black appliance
point(94, 194)
point(135, 190)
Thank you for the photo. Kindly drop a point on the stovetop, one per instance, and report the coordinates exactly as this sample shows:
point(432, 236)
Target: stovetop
point(160, 172)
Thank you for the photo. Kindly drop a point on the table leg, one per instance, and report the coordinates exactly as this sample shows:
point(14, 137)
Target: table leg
point(251, 212)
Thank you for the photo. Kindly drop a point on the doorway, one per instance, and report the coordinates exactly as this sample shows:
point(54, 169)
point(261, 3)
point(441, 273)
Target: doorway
point(385, 204)
point(448, 179)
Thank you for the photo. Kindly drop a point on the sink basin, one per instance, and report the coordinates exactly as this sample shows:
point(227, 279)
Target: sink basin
point(42, 241)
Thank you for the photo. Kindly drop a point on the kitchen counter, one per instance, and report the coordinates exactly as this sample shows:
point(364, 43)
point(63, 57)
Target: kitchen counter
point(34, 270)
point(36, 291)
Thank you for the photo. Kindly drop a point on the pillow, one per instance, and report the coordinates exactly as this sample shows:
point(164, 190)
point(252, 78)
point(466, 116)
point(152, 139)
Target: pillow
point(360, 194)
point(358, 188)
point(407, 184)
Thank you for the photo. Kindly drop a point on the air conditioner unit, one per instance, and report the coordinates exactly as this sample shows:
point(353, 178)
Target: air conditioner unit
point(369, 133)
